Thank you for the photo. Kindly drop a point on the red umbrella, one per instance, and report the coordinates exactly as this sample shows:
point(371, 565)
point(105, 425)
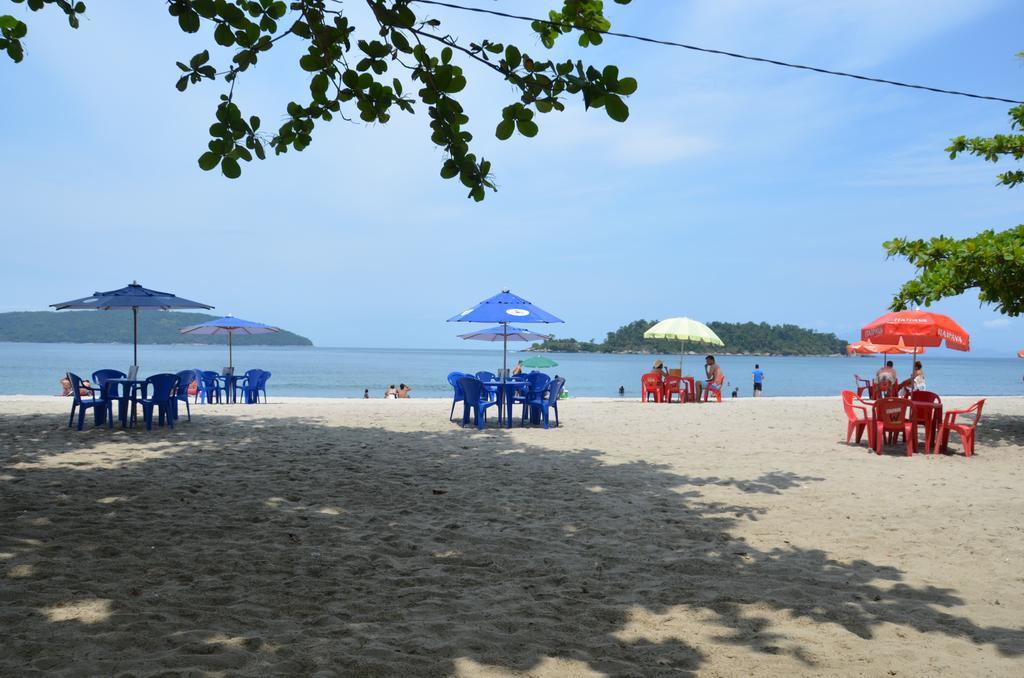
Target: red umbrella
point(917, 329)
point(1020, 354)
point(871, 348)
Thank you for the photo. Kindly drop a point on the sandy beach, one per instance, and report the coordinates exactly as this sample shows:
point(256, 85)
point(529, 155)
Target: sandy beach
point(373, 538)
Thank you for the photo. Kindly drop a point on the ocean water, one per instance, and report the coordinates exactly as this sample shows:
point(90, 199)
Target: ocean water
point(35, 369)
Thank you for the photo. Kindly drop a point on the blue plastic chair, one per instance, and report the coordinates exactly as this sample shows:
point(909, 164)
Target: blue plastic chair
point(492, 391)
point(101, 407)
point(542, 404)
point(536, 384)
point(212, 387)
point(262, 386)
point(185, 377)
point(200, 387)
point(459, 395)
point(247, 384)
point(100, 378)
point(163, 397)
point(476, 398)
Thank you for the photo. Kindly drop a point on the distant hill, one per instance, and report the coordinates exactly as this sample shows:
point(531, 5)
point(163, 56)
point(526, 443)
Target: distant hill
point(115, 327)
point(751, 338)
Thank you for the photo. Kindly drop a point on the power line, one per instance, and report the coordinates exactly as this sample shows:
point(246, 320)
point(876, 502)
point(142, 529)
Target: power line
point(734, 55)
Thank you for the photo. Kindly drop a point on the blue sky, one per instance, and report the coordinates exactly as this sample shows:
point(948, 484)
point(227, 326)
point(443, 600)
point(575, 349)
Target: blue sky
point(736, 191)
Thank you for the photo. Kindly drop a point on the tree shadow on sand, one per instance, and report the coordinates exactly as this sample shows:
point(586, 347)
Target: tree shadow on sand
point(290, 546)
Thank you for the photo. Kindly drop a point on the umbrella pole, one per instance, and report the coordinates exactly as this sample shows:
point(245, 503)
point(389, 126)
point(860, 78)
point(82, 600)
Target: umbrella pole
point(504, 351)
point(231, 362)
point(135, 336)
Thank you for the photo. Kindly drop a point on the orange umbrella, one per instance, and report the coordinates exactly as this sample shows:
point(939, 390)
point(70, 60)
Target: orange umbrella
point(1020, 354)
point(871, 348)
point(917, 329)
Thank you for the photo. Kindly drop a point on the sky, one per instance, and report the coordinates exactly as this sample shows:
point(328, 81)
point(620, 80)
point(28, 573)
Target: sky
point(736, 191)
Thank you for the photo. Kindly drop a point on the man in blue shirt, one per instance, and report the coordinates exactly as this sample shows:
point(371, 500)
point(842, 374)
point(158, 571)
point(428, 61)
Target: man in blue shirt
point(758, 381)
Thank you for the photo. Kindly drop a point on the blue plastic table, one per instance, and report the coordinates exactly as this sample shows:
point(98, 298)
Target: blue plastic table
point(506, 390)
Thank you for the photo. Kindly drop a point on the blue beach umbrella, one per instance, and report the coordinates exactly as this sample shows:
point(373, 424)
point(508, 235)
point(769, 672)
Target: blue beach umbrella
point(504, 308)
point(230, 326)
point(134, 297)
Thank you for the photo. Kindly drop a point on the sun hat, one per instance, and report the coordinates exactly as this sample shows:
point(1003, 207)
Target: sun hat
point(657, 364)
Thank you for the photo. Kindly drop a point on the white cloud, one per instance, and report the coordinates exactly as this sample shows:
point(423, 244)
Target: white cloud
point(996, 323)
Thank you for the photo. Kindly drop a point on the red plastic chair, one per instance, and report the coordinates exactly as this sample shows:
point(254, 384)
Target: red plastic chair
point(893, 417)
point(688, 392)
point(886, 389)
point(862, 385)
point(652, 384)
point(857, 423)
point(927, 413)
point(965, 431)
point(673, 386)
point(715, 388)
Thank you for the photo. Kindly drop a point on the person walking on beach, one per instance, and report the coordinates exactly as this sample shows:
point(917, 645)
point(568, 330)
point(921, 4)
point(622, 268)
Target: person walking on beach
point(758, 380)
point(403, 390)
point(366, 393)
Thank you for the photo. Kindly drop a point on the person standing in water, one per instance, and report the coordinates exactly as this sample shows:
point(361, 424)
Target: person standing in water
point(758, 380)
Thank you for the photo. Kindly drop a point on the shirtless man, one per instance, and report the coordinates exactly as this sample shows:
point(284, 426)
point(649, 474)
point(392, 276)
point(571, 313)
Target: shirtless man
point(887, 373)
point(716, 378)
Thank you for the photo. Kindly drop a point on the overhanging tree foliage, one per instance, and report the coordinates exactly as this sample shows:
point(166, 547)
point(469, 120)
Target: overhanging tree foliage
point(991, 261)
point(351, 72)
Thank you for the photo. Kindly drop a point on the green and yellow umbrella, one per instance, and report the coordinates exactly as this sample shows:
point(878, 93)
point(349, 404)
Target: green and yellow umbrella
point(683, 330)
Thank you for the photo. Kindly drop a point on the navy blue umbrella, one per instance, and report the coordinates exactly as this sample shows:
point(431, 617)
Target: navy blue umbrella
point(134, 297)
point(504, 308)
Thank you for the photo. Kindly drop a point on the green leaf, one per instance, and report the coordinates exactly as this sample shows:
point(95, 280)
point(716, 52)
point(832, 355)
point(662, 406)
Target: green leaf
point(505, 129)
point(528, 128)
point(616, 108)
point(208, 160)
point(189, 21)
point(229, 166)
point(224, 35)
point(626, 86)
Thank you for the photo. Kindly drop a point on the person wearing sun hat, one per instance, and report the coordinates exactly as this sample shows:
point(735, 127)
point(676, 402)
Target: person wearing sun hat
point(659, 367)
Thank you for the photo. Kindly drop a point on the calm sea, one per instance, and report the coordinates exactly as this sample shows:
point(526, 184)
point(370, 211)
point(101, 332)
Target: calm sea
point(35, 369)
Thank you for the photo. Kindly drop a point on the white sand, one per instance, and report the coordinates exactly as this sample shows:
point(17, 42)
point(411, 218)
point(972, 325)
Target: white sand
point(373, 538)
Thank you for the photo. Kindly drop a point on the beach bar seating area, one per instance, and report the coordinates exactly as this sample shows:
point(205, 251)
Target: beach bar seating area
point(537, 394)
point(160, 397)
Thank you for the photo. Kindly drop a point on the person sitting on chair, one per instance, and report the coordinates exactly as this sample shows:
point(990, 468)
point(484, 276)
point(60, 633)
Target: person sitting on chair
point(84, 391)
point(715, 375)
point(886, 375)
point(916, 381)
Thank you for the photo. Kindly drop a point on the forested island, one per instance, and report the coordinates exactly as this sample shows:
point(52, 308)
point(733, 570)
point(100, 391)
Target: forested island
point(740, 338)
point(115, 327)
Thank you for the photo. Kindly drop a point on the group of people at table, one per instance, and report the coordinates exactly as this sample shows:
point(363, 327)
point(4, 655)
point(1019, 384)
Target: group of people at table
point(159, 394)
point(662, 384)
point(887, 408)
point(536, 392)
